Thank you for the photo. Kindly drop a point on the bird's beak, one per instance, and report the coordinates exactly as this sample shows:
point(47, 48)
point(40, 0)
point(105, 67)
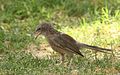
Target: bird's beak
point(36, 34)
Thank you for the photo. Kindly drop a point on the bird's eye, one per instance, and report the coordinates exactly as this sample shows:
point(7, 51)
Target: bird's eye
point(38, 29)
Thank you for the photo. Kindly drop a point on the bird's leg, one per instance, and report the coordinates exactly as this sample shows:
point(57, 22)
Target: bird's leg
point(69, 60)
point(62, 59)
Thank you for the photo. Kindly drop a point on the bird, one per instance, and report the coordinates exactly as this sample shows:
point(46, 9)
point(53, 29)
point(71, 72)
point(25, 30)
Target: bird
point(63, 43)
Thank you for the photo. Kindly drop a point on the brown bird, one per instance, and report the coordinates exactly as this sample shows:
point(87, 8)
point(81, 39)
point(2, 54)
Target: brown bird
point(63, 43)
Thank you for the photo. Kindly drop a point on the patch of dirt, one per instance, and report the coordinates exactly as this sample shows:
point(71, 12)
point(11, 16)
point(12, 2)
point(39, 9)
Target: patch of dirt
point(41, 51)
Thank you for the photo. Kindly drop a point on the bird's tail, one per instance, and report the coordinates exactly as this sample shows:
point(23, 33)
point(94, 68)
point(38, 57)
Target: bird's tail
point(81, 45)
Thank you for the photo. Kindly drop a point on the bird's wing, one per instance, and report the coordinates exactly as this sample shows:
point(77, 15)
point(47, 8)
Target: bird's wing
point(67, 42)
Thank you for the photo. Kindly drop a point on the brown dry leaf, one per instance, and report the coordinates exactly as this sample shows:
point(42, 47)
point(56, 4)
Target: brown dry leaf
point(74, 72)
point(111, 70)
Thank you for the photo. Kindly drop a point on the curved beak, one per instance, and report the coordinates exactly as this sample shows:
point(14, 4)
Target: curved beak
point(36, 34)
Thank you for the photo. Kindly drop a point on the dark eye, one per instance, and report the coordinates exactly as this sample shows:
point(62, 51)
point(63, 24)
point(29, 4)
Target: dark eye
point(38, 29)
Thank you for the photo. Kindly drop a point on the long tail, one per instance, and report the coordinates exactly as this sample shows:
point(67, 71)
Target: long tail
point(82, 45)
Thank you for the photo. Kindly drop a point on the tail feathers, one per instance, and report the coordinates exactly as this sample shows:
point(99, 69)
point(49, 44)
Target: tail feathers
point(81, 45)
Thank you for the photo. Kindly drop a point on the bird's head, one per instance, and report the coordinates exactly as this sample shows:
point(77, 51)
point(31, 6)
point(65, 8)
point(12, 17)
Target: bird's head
point(43, 29)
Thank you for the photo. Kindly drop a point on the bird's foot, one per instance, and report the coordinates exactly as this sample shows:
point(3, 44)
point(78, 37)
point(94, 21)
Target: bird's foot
point(61, 63)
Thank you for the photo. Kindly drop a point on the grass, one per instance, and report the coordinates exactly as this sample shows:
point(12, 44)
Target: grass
point(91, 22)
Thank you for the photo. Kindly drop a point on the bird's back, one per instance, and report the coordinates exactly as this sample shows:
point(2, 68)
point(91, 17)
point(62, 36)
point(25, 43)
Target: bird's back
point(64, 43)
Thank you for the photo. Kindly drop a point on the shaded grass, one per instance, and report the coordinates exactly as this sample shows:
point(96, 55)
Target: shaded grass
point(22, 63)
